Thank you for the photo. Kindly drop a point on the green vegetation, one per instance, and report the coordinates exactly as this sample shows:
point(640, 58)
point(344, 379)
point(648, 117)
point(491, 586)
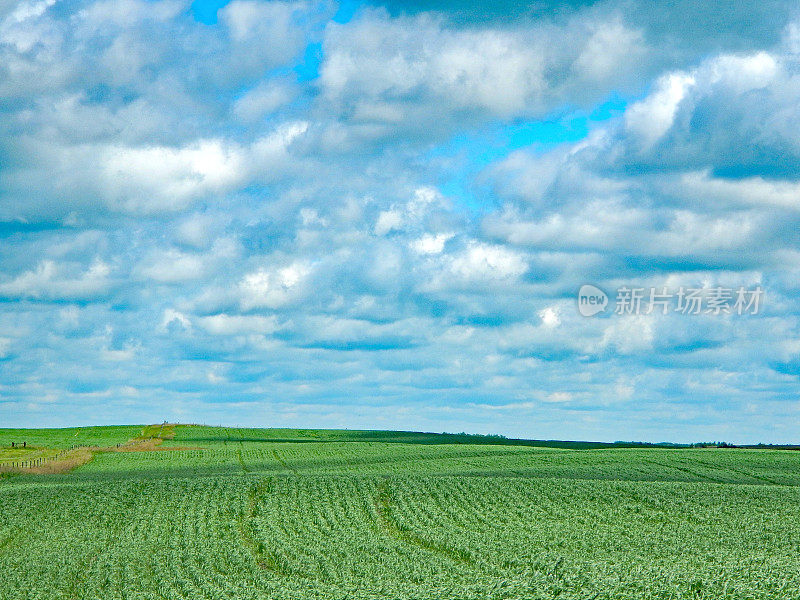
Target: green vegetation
point(70, 436)
point(253, 513)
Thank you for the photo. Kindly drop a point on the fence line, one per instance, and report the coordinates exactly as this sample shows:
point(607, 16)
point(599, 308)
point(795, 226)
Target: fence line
point(37, 462)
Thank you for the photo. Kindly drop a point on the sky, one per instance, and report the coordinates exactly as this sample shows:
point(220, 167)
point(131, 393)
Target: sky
point(378, 215)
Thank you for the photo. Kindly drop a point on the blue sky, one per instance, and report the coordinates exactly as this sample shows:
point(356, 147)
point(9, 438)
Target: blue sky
point(377, 215)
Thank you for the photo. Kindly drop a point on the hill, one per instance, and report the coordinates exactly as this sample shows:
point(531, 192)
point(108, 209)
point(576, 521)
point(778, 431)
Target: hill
point(176, 511)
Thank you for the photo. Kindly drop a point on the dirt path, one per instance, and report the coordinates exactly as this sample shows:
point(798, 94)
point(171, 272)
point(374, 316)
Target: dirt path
point(149, 440)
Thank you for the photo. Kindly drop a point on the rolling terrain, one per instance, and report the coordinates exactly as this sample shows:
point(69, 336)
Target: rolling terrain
point(210, 512)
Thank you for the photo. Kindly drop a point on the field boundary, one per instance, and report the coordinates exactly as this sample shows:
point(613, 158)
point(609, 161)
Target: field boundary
point(77, 455)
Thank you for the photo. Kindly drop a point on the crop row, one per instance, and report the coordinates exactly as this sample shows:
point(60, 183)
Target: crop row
point(289, 536)
point(756, 467)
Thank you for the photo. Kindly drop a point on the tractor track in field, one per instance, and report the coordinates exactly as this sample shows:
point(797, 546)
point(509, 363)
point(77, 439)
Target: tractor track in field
point(383, 506)
point(283, 463)
point(264, 558)
point(695, 475)
point(766, 480)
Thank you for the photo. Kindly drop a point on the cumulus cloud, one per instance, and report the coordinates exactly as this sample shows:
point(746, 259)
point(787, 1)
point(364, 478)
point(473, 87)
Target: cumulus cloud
point(155, 179)
point(275, 287)
point(757, 191)
point(482, 261)
point(197, 230)
point(651, 118)
point(409, 214)
point(172, 316)
point(387, 221)
point(145, 180)
point(223, 324)
point(53, 281)
point(173, 267)
point(265, 99)
point(549, 317)
point(629, 336)
point(672, 176)
point(283, 219)
point(5, 347)
point(431, 243)
point(687, 122)
point(416, 73)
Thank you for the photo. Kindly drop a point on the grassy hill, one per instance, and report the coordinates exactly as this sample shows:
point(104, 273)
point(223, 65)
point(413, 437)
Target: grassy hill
point(211, 512)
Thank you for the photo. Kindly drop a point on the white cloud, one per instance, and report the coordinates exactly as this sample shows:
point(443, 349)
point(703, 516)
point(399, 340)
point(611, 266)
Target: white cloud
point(470, 68)
point(118, 355)
point(172, 266)
point(411, 214)
point(267, 23)
point(342, 332)
point(379, 69)
point(619, 228)
point(128, 13)
point(266, 98)
point(273, 288)
point(52, 281)
point(223, 324)
point(388, 220)
point(558, 397)
point(624, 388)
point(550, 317)
point(20, 28)
point(215, 378)
point(152, 179)
point(741, 73)
point(264, 34)
point(630, 335)
point(69, 317)
point(146, 179)
point(480, 261)
point(171, 315)
point(309, 217)
point(423, 201)
point(269, 155)
point(651, 118)
point(313, 226)
point(791, 37)
point(751, 191)
point(612, 47)
point(430, 243)
point(195, 230)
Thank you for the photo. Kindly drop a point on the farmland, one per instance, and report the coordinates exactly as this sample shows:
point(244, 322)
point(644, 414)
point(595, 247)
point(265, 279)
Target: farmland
point(205, 512)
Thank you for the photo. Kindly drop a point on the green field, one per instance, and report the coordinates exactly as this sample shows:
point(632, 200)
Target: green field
point(295, 514)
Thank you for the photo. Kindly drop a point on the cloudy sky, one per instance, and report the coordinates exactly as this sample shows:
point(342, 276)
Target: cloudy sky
point(377, 215)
